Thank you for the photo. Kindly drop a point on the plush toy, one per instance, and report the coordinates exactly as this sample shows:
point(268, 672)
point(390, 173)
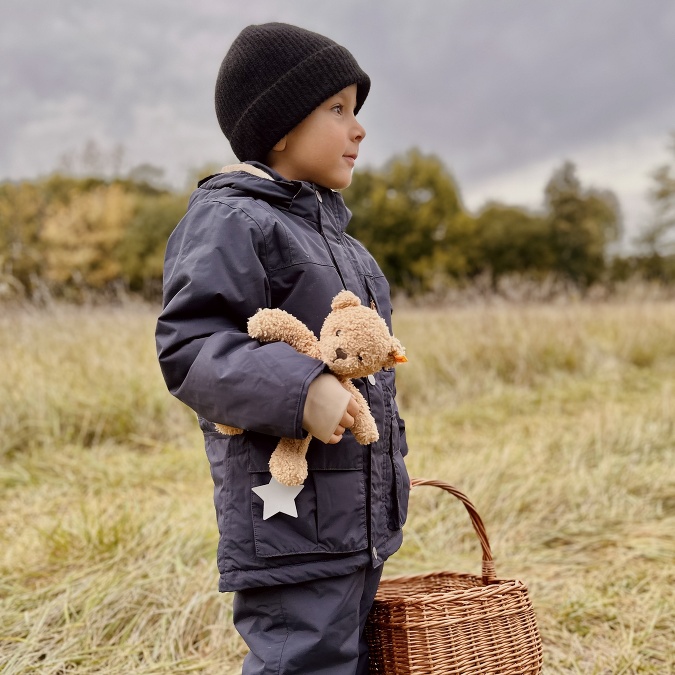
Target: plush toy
point(354, 342)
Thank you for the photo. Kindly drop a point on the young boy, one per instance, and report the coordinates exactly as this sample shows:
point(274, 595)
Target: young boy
point(270, 232)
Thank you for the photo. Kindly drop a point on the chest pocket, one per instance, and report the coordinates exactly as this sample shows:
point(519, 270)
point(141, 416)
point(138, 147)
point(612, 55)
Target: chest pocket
point(310, 249)
point(303, 244)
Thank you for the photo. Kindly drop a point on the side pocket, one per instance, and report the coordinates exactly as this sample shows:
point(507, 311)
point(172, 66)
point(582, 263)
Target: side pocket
point(400, 485)
point(331, 506)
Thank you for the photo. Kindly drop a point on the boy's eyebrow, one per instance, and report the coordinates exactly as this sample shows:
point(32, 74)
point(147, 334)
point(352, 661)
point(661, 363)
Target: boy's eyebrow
point(341, 95)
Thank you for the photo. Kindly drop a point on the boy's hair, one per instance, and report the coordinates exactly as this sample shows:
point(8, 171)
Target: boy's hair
point(272, 77)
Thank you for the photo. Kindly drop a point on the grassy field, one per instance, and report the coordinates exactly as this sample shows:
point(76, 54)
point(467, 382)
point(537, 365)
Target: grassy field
point(556, 420)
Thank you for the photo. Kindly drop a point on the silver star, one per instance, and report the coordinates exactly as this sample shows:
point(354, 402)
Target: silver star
point(278, 498)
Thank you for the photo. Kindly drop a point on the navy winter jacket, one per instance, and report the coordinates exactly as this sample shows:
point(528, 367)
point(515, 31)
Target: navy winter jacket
point(248, 242)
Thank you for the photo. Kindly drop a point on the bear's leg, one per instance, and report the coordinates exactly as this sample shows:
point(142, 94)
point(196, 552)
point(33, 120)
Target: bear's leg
point(227, 430)
point(364, 429)
point(288, 464)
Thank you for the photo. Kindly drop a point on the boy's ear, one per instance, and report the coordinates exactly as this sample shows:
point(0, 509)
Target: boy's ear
point(280, 145)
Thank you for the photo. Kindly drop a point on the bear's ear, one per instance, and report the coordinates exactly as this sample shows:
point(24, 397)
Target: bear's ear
point(397, 354)
point(344, 299)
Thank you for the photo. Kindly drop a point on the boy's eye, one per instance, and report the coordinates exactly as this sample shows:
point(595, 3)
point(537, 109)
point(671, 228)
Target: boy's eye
point(337, 108)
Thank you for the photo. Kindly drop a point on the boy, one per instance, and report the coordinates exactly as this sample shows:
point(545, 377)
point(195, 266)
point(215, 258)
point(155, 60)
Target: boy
point(270, 233)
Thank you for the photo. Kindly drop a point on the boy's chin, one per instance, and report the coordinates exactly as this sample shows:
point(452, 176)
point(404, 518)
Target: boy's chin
point(334, 182)
point(340, 184)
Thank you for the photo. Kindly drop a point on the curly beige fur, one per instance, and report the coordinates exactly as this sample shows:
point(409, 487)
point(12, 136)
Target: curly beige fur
point(354, 342)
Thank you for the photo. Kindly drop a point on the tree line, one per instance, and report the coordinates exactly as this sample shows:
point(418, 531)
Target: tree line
point(71, 236)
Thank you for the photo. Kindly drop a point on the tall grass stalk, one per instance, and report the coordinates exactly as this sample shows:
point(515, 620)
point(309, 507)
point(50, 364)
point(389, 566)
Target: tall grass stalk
point(557, 421)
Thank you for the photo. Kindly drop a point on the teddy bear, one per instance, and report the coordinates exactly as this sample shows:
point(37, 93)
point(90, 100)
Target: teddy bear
point(354, 342)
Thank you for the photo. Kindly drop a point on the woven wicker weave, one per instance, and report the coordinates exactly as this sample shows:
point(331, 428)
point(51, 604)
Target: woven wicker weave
point(444, 623)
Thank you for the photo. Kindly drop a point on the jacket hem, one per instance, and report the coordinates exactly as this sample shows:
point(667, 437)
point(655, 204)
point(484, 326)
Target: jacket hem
point(391, 545)
point(241, 580)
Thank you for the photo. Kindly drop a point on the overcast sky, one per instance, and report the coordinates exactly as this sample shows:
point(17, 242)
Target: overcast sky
point(502, 90)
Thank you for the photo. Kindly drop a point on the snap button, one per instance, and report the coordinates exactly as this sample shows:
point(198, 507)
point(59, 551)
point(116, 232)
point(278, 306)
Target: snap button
point(374, 553)
point(371, 379)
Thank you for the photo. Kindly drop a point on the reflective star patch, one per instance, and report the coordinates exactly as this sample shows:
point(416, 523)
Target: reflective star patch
point(278, 498)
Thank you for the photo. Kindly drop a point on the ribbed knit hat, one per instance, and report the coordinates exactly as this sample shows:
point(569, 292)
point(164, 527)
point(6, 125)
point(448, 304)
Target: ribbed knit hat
point(272, 77)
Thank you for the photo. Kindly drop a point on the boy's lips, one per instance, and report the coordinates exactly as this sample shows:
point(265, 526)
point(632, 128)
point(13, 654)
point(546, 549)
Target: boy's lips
point(351, 158)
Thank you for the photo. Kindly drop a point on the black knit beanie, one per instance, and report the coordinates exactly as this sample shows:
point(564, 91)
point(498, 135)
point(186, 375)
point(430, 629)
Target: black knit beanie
point(272, 77)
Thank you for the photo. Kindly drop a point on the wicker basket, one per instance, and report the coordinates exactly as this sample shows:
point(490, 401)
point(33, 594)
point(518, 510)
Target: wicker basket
point(444, 623)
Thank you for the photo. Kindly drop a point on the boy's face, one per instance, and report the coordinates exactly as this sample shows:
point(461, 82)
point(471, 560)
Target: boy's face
point(323, 147)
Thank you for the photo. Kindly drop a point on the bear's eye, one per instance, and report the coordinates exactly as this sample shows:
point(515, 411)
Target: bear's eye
point(359, 357)
point(337, 333)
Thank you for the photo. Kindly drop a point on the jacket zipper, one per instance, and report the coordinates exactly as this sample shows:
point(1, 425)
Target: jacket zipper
point(319, 199)
point(370, 538)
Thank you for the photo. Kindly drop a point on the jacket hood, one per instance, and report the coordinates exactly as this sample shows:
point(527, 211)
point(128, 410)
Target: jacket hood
point(254, 179)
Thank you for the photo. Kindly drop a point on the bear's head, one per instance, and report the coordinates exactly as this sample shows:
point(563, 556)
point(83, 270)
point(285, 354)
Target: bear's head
point(355, 340)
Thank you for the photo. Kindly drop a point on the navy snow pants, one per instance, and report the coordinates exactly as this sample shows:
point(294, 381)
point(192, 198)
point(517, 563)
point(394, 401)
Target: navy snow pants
point(315, 627)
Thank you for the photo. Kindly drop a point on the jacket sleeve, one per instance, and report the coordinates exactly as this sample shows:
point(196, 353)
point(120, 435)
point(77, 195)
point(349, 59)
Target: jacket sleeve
point(214, 280)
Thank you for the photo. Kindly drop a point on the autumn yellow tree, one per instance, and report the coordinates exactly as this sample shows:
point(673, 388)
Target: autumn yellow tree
point(80, 238)
point(21, 212)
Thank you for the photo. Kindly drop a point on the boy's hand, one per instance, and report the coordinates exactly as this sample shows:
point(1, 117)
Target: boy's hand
point(347, 421)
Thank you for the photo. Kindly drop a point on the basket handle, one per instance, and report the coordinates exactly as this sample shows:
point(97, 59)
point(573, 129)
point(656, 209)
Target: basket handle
point(489, 573)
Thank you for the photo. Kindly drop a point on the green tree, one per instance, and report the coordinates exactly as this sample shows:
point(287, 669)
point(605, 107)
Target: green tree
point(141, 249)
point(512, 240)
point(410, 217)
point(582, 223)
point(658, 236)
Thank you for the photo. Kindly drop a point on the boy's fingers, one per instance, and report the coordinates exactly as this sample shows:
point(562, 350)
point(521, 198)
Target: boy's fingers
point(347, 421)
point(353, 407)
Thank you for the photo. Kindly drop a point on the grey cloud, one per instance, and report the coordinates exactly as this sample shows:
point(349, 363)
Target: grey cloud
point(488, 85)
point(529, 78)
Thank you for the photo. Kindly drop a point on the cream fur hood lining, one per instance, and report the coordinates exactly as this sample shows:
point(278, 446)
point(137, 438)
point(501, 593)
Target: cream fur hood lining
point(248, 168)
point(253, 170)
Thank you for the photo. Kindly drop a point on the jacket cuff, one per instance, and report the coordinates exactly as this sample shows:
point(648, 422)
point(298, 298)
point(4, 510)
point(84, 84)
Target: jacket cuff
point(325, 404)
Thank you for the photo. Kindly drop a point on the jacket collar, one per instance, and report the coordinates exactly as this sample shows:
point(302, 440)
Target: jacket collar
point(301, 198)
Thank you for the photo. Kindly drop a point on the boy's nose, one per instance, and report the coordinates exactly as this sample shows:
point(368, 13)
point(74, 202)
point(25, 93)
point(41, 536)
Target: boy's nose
point(360, 133)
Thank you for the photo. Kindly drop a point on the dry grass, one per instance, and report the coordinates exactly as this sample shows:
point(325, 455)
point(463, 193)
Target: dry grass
point(556, 420)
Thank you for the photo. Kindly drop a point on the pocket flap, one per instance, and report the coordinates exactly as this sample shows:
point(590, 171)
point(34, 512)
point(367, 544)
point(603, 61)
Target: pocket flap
point(347, 455)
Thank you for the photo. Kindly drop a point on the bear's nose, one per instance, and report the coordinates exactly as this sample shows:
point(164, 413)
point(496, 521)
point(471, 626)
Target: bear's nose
point(341, 353)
